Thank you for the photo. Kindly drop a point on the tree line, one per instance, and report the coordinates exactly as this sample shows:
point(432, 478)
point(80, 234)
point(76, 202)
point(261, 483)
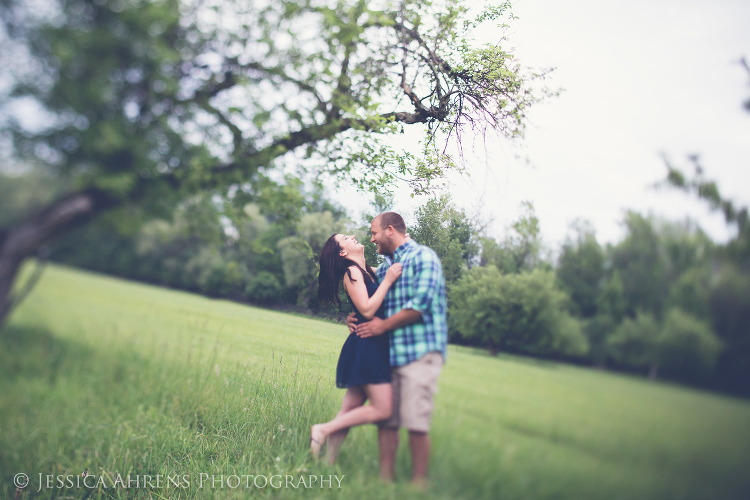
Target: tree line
point(666, 301)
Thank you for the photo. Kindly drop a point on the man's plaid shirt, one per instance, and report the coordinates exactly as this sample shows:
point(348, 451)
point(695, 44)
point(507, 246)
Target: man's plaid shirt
point(421, 287)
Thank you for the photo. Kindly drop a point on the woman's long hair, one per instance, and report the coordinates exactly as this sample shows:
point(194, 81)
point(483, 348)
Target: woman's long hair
point(333, 267)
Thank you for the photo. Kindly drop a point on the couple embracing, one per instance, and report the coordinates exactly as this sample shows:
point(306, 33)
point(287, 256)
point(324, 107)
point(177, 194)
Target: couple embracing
point(397, 342)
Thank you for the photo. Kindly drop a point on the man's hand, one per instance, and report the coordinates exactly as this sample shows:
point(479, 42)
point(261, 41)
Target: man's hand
point(372, 328)
point(351, 322)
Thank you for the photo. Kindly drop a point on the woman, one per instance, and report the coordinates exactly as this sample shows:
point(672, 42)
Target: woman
point(364, 368)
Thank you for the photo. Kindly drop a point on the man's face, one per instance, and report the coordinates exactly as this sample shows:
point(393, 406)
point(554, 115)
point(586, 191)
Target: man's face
point(380, 237)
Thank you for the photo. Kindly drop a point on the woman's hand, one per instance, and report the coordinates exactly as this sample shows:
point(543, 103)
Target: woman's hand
point(393, 272)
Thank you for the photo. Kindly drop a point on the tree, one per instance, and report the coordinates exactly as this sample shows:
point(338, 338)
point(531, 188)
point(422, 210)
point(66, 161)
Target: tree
point(580, 270)
point(730, 318)
point(641, 265)
point(298, 253)
point(148, 102)
point(514, 312)
point(682, 346)
point(440, 225)
point(521, 249)
point(729, 300)
point(687, 348)
point(635, 343)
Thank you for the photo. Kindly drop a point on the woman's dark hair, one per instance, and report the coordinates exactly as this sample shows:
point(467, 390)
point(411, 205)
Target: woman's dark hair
point(333, 267)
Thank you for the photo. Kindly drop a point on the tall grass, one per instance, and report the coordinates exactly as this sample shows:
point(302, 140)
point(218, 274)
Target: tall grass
point(112, 377)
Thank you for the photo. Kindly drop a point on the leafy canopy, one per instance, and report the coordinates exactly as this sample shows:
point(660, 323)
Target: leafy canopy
point(146, 99)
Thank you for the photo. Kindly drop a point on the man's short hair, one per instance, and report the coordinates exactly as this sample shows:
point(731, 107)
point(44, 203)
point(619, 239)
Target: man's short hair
point(392, 219)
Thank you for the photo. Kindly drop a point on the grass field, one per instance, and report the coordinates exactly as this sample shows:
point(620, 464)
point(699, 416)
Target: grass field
point(121, 378)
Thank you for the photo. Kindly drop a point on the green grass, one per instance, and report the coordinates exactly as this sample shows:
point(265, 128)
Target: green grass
point(116, 377)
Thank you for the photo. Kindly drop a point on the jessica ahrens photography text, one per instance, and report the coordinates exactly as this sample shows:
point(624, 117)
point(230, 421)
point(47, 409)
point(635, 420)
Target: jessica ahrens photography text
point(182, 481)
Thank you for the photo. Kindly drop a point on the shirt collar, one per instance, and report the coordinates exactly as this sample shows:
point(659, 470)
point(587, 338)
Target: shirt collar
point(400, 251)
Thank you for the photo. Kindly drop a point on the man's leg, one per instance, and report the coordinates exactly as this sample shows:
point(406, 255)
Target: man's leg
point(418, 386)
point(419, 446)
point(388, 445)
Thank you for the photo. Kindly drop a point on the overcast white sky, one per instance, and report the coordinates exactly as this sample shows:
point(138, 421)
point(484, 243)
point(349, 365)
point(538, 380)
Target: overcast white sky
point(640, 78)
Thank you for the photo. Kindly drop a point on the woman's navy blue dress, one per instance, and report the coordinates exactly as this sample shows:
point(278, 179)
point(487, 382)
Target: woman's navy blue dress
point(364, 361)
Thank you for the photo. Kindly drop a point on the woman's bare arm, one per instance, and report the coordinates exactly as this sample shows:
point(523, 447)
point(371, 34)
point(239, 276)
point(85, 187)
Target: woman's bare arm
point(357, 290)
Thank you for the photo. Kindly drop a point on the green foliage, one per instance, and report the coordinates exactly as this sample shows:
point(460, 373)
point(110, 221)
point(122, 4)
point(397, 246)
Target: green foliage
point(264, 288)
point(299, 253)
point(634, 342)
point(598, 329)
point(215, 276)
point(150, 102)
point(687, 347)
point(514, 312)
point(22, 194)
point(730, 314)
point(580, 271)
point(642, 266)
point(706, 189)
point(440, 225)
point(692, 292)
point(682, 346)
point(258, 252)
point(522, 248)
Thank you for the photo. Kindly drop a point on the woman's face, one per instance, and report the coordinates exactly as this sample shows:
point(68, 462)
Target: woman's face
point(348, 244)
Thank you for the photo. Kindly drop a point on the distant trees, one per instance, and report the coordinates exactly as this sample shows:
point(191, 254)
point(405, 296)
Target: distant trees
point(508, 300)
point(446, 229)
point(521, 249)
point(725, 302)
point(594, 305)
point(656, 302)
point(260, 247)
point(664, 301)
point(580, 270)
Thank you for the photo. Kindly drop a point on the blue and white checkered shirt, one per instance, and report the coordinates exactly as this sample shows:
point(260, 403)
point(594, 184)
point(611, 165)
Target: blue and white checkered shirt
point(421, 287)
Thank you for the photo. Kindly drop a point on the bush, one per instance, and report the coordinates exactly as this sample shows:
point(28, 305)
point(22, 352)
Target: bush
point(597, 330)
point(214, 275)
point(569, 339)
point(634, 342)
point(687, 347)
point(514, 312)
point(264, 288)
point(684, 347)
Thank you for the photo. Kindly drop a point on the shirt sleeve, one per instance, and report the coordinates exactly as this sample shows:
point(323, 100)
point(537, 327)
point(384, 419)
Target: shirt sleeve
point(426, 280)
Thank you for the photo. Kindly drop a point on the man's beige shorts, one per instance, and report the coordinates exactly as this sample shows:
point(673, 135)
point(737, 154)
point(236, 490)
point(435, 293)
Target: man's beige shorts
point(414, 386)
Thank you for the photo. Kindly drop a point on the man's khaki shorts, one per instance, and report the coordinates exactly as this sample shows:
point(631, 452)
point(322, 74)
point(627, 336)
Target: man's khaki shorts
point(414, 386)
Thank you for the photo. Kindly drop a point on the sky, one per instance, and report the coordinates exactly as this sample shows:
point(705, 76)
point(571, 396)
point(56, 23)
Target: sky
point(640, 79)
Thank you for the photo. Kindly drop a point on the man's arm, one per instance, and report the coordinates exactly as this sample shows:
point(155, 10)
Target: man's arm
point(377, 326)
point(428, 275)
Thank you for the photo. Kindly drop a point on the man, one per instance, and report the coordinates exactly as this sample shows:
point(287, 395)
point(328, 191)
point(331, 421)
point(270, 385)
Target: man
point(415, 309)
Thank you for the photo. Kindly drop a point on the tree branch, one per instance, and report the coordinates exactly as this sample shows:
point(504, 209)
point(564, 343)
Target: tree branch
point(25, 239)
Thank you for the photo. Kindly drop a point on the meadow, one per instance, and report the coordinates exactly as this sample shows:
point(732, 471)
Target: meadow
point(114, 377)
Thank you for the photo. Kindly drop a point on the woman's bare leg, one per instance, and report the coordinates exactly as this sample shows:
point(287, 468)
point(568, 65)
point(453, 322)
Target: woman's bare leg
point(380, 407)
point(353, 398)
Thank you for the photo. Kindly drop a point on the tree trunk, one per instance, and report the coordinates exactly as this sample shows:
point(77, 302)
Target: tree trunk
point(26, 238)
point(653, 371)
